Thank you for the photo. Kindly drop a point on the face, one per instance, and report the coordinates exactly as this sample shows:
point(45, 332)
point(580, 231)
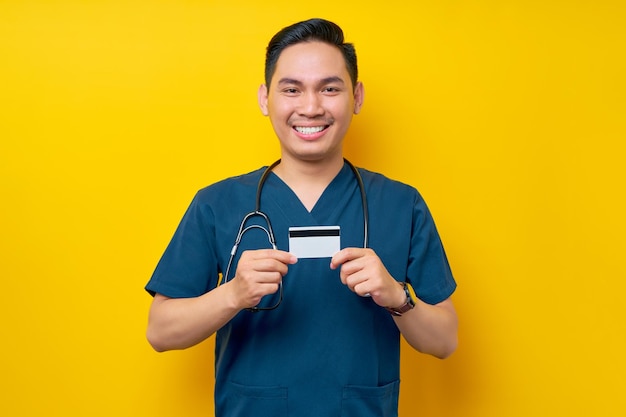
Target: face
point(311, 101)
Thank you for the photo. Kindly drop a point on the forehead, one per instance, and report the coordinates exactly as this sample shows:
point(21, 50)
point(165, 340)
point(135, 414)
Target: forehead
point(310, 61)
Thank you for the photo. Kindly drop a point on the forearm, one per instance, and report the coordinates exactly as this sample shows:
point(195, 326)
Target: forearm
point(179, 323)
point(430, 329)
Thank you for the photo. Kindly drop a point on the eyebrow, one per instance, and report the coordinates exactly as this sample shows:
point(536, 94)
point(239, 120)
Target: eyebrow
point(327, 80)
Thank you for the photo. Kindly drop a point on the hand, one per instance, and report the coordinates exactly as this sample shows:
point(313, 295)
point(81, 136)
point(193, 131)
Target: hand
point(364, 273)
point(259, 273)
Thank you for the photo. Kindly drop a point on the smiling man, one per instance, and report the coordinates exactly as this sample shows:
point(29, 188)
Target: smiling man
point(318, 334)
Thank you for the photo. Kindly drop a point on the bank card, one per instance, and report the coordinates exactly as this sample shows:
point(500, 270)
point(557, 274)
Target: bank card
point(314, 241)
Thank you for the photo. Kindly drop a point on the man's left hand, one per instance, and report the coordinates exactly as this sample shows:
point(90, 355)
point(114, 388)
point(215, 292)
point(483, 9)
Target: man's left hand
point(364, 273)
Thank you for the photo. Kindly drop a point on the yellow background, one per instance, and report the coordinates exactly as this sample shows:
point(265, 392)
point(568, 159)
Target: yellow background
point(507, 115)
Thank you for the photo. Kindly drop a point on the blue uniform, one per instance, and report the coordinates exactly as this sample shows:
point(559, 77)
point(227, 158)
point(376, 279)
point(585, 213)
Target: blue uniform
point(324, 351)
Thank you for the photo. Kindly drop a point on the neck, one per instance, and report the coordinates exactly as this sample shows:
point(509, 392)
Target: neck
point(308, 180)
point(309, 172)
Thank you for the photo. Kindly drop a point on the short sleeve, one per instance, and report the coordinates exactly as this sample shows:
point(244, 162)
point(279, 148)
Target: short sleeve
point(428, 270)
point(188, 267)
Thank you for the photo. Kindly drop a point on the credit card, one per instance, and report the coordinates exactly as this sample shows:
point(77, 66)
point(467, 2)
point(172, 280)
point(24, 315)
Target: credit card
point(314, 241)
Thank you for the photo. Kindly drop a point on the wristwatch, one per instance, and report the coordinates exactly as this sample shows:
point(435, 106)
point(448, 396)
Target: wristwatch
point(408, 305)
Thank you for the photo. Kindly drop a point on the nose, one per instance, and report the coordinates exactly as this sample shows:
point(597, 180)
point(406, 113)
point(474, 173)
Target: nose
point(310, 105)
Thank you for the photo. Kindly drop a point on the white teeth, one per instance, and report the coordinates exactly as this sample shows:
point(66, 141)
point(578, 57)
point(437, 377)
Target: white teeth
point(309, 130)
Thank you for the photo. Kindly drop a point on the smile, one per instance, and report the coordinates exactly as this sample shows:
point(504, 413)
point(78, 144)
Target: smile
point(309, 130)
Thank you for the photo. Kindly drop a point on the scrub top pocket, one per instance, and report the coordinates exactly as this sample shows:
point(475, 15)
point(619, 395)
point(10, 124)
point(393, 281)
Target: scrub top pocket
point(362, 401)
point(246, 401)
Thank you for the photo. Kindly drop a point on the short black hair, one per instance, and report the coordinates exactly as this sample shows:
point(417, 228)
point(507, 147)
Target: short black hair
point(306, 31)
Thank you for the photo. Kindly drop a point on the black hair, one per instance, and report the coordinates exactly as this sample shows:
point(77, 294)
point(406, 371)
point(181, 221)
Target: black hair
point(306, 31)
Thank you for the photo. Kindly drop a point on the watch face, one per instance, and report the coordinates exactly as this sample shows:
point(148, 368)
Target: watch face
point(410, 294)
point(408, 305)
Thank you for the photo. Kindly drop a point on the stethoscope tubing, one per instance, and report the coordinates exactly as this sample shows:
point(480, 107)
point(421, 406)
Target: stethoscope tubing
point(270, 231)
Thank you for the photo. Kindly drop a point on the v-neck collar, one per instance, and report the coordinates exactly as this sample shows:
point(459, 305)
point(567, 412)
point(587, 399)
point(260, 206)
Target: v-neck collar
point(327, 208)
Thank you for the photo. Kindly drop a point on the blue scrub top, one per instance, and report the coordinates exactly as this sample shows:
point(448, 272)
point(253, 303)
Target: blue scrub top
point(324, 351)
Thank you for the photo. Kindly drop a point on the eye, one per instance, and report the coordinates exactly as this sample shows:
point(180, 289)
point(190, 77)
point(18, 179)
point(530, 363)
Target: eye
point(290, 91)
point(331, 90)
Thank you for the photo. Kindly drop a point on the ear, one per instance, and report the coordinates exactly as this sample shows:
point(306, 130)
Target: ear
point(262, 97)
point(359, 95)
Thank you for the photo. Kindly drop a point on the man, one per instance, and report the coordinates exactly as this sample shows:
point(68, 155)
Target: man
point(318, 334)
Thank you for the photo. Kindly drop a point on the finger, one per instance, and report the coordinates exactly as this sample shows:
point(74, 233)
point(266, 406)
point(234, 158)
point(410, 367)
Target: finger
point(269, 265)
point(350, 274)
point(262, 273)
point(279, 255)
point(260, 276)
point(260, 292)
point(345, 255)
point(362, 289)
point(266, 260)
point(267, 289)
point(352, 281)
point(259, 271)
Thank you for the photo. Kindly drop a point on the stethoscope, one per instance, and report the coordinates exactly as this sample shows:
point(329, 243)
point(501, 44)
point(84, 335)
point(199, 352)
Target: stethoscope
point(270, 232)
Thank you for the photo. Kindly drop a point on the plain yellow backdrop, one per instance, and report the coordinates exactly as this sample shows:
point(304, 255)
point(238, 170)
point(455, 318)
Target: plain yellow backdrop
point(508, 116)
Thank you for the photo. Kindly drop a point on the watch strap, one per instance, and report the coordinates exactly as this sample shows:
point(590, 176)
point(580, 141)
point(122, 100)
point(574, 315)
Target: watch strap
point(409, 303)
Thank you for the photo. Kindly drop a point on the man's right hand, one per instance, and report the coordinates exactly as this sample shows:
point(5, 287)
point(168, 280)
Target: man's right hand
point(259, 273)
